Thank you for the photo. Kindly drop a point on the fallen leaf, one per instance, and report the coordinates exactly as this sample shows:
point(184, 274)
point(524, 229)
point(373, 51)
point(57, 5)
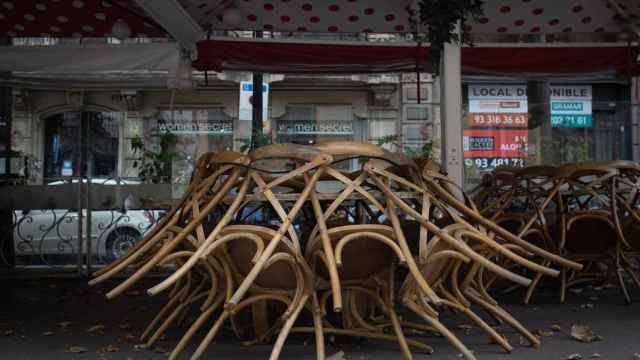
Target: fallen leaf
point(76, 349)
point(543, 333)
point(159, 350)
point(138, 347)
point(337, 356)
point(584, 333)
point(110, 348)
point(96, 328)
point(47, 333)
point(64, 324)
point(556, 328)
point(129, 336)
point(574, 357)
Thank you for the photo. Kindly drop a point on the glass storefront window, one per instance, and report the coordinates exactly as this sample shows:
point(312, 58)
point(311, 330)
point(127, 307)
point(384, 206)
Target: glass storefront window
point(543, 123)
point(68, 134)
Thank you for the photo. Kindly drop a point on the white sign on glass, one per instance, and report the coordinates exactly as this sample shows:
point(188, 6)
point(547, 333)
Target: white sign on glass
point(246, 100)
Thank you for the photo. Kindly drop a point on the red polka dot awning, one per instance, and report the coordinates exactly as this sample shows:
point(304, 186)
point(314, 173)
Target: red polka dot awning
point(386, 16)
point(73, 18)
point(95, 18)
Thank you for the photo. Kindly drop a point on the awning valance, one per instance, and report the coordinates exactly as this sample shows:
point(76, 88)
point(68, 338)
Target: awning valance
point(310, 58)
point(332, 58)
point(550, 60)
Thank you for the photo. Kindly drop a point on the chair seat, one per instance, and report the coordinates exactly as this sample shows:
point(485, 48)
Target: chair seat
point(362, 258)
point(277, 276)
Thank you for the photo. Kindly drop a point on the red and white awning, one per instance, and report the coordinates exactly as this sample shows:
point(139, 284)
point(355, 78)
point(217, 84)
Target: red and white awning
point(95, 18)
point(384, 16)
point(554, 16)
point(73, 18)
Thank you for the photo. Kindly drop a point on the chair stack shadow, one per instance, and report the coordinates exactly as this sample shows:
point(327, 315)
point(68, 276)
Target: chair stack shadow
point(282, 240)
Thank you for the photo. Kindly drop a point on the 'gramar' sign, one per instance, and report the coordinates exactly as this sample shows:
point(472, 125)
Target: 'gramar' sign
point(571, 105)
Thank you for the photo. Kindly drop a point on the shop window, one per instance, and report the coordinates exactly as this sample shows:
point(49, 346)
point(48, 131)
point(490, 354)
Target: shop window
point(81, 144)
point(543, 123)
point(418, 113)
point(308, 124)
point(198, 130)
point(411, 93)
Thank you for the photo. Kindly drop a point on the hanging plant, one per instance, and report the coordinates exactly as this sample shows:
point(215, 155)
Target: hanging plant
point(442, 17)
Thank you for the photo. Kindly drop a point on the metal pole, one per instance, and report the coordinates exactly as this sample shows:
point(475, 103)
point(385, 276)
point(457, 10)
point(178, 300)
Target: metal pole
point(80, 198)
point(256, 118)
point(89, 160)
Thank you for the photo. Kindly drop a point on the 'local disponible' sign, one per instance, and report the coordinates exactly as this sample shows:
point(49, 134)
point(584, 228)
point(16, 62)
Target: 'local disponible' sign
point(498, 99)
point(571, 105)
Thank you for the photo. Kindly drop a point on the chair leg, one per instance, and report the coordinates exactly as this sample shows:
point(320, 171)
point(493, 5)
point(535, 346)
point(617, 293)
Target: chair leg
point(489, 330)
point(397, 328)
point(317, 325)
point(439, 327)
point(623, 286)
point(156, 335)
point(192, 330)
point(159, 317)
point(210, 335)
point(563, 284)
point(286, 328)
point(504, 315)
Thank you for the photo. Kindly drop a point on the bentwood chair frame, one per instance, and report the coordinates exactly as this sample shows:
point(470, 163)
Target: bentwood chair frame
point(588, 185)
point(202, 197)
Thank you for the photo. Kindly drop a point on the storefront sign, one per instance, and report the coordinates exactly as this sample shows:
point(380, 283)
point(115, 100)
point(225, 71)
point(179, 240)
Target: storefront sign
point(196, 127)
point(246, 101)
point(312, 127)
point(570, 106)
point(492, 163)
point(67, 169)
point(495, 143)
point(498, 120)
point(498, 99)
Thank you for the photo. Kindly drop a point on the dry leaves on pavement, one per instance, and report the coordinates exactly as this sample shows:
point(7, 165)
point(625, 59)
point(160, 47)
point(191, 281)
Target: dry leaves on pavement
point(76, 349)
point(584, 333)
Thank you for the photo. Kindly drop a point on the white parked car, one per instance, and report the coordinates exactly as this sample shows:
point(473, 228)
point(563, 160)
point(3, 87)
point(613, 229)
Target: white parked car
point(45, 235)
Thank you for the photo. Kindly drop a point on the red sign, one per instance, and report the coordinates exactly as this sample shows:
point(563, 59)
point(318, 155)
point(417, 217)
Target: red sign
point(495, 143)
point(499, 120)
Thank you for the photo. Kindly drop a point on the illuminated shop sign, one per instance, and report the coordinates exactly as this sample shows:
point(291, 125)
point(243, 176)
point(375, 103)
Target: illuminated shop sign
point(571, 105)
point(312, 127)
point(498, 120)
point(495, 143)
point(498, 99)
point(196, 127)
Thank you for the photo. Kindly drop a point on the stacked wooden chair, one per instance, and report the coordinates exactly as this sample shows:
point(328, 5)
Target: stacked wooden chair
point(585, 212)
point(348, 249)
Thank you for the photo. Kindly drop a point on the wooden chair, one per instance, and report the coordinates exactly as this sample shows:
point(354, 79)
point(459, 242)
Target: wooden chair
point(589, 223)
point(201, 199)
point(365, 281)
point(285, 279)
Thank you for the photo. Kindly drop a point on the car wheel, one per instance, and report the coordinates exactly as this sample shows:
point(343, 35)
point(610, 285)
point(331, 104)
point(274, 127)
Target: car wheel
point(120, 241)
